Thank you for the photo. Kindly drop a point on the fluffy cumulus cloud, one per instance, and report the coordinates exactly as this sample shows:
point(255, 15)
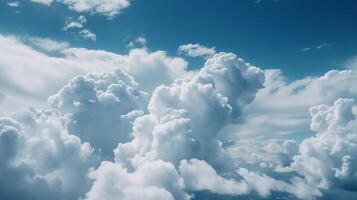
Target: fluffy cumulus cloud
point(40, 159)
point(48, 153)
point(141, 126)
point(196, 50)
point(184, 121)
point(152, 180)
point(100, 108)
point(327, 160)
point(185, 118)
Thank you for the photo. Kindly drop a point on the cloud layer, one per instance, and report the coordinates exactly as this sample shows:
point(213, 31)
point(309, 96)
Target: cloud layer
point(112, 128)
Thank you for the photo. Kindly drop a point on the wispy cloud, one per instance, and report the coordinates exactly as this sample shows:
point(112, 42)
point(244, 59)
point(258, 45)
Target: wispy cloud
point(87, 35)
point(108, 8)
point(196, 50)
point(74, 23)
point(318, 47)
point(323, 45)
point(48, 44)
point(306, 49)
point(45, 2)
point(14, 4)
point(259, 1)
point(139, 41)
point(77, 25)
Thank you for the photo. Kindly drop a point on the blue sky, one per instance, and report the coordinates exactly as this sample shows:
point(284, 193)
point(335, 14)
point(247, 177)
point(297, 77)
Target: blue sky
point(178, 99)
point(270, 34)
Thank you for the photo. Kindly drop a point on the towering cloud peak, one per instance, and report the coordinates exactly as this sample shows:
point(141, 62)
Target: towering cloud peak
point(327, 160)
point(183, 123)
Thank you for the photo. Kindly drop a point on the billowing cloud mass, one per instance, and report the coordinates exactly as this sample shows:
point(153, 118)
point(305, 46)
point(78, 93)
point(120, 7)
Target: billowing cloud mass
point(152, 180)
point(101, 108)
point(40, 160)
point(328, 159)
point(185, 118)
point(141, 126)
point(108, 8)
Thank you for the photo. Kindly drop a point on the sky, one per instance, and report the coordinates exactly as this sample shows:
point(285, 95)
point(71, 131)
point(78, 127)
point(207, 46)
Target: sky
point(178, 100)
point(270, 34)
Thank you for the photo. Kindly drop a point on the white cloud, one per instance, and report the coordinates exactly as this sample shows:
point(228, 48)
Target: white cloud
point(142, 65)
point(48, 44)
point(183, 122)
point(108, 8)
point(281, 108)
point(185, 118)
point(323, 45)
point(13, 4)
point(140, 41)
point(101, 108)
point(318, 47)
point(40, 159)
point(264, 185)
point(47, 74)
point(273, 154)
point(306, 49)
point(327, 160)
point(87, 35)
point(46, 2)
point(200, 176)
point(171, 127)
point(74, 24)
point(156, 180)
point(153, 69)
point(77, 26)
point(196, 50)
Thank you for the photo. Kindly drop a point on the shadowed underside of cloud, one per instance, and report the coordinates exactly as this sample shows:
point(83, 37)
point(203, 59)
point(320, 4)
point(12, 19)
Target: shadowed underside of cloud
point(114, 132)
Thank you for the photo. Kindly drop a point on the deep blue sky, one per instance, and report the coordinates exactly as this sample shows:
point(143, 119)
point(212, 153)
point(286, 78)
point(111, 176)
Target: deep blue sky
point(268, 34)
